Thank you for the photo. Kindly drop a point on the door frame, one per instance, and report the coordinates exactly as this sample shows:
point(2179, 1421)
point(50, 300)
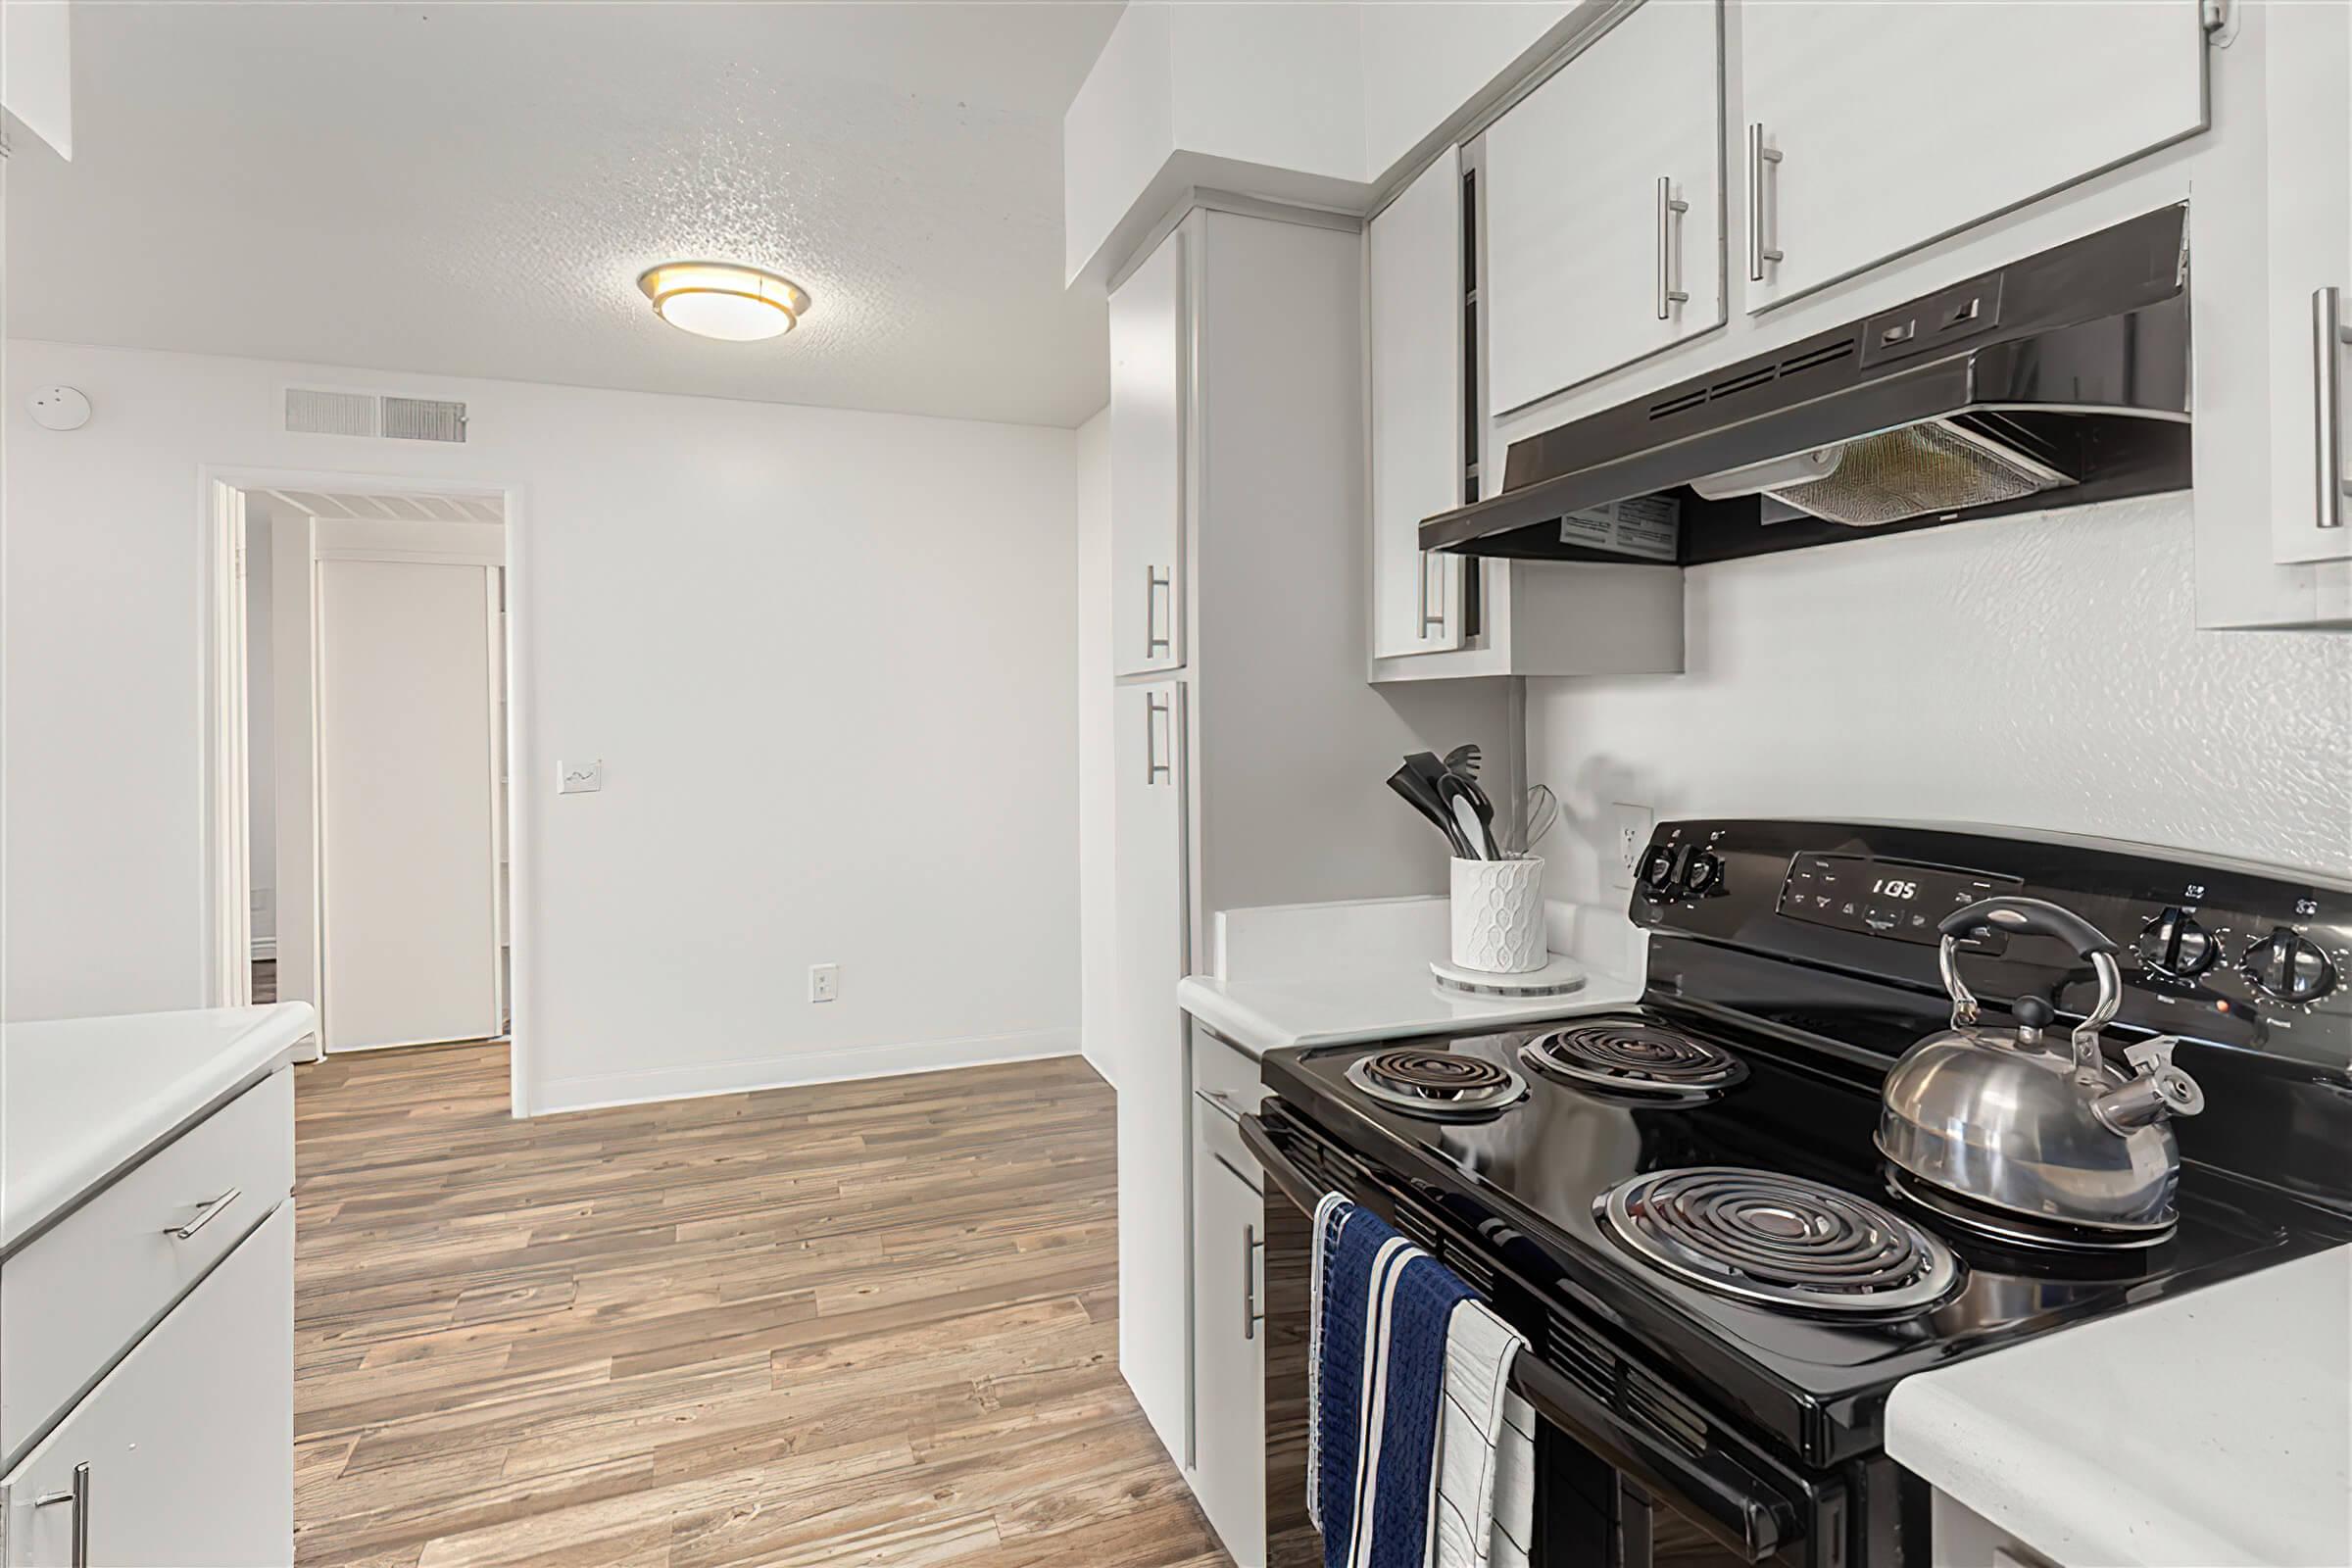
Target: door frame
point(225, 925)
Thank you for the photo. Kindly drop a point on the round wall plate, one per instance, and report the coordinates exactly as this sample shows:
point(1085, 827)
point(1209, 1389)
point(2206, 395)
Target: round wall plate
point(59, 408)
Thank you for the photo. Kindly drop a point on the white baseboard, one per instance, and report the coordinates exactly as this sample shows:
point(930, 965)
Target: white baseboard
point(264, 948)
point(880, 1059)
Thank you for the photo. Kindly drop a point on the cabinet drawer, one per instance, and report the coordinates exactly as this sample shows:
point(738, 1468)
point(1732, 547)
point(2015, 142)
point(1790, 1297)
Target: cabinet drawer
point(185, 1452)
point(82, 1292)
point(1225, 1084)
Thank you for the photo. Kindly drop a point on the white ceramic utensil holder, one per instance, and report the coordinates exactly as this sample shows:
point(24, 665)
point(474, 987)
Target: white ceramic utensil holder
point(1499, 916)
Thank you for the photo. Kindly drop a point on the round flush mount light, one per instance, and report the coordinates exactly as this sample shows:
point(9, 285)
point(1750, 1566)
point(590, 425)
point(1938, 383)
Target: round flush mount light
point(720, 300)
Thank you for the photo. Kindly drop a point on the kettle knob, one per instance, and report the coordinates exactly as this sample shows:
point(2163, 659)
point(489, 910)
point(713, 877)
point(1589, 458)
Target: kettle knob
point(2032, 1016)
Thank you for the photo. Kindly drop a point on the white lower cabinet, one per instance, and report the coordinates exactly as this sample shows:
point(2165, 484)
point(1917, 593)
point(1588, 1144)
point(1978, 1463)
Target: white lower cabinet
point(181, 1454)
point(1229, 1235)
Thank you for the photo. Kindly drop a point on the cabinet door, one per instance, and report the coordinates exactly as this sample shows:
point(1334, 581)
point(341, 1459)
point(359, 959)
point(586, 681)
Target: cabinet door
point(1229, 1236)
point(185, 1452)
point(1155, 1126)
point(1148, 381)
point(2308, 60)
point(1603, 203)
point(1871, 130)
point(1414, 303)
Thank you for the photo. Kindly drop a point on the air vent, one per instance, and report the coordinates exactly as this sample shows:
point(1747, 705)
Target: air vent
point(1822, 356)
point(1474, 1270)
point(1416, 1226)
point(1688, 400)
point(424, 420)
point(313, 413)
point(313, 410)
point(1649, 1399)
point(1578, 1357)
point(1743, 383)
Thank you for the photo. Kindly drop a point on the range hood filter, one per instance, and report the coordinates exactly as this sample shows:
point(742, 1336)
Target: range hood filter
point(1916, 471)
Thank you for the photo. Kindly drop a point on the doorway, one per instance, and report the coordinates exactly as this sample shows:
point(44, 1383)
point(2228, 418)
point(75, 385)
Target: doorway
point(364, 851)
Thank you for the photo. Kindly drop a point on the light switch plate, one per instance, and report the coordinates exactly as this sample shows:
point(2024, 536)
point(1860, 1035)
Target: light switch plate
point(1629, 836)
point(579, 778)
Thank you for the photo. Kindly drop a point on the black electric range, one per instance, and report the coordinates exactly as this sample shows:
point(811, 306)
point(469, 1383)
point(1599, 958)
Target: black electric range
point(1681, 1205)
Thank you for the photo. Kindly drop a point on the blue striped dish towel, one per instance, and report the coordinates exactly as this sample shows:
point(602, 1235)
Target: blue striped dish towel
point(1415, 1456)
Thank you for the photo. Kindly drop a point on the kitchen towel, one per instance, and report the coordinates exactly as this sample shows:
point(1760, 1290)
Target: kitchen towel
point(1485, 1447)
point(1390, 1390)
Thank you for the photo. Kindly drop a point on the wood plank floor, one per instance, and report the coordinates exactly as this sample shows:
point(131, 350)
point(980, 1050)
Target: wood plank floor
point(864, 1323)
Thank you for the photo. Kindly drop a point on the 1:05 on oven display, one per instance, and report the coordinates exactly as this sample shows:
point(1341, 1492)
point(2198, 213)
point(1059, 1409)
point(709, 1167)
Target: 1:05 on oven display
point(1887, 887)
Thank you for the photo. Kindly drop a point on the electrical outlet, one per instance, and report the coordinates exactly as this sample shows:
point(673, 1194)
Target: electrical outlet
point(1629, 826)
point(824, 982)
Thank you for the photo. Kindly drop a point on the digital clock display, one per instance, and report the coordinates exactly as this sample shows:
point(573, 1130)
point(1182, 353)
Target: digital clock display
point(1882, 898)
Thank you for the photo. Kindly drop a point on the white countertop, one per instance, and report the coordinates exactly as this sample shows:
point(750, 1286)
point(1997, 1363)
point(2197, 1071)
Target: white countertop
point(1328, 974)
point(2212, 1429)
point(85, 1098)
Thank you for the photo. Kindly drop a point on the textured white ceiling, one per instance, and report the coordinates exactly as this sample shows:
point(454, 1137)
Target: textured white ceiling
point(473, 190)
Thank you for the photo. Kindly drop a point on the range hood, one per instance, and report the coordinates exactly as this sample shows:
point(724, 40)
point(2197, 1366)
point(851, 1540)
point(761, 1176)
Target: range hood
point(2057, 380)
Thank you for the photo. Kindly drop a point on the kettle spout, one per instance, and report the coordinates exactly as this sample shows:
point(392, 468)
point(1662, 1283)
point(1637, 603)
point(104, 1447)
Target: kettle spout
point(2161, 1090)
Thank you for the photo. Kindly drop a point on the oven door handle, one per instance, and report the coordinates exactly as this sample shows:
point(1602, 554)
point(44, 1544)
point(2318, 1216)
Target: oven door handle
point(1725, 1497)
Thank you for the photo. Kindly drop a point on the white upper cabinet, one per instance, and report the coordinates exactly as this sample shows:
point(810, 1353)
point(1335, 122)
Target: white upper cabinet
point(1871, 130)
point(2308, 55)
point(1148, 317)
point(1603, 202)
point(1414, 266)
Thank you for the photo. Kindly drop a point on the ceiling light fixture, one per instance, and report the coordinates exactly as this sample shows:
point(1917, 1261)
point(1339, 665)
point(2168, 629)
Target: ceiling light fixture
point(718, 299)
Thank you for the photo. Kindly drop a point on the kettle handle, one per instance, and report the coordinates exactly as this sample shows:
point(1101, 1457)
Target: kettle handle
point(2038, 917)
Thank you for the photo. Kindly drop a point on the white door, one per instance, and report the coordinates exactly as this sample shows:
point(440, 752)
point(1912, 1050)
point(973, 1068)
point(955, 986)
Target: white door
point(1414, 301)
point(1147, 382)
point(406, 786)
point(2306, 56)
point(1229, 1235)
point(1154, 1097)
point(185, 1452)
point(1603, 206)
point(1871, 130)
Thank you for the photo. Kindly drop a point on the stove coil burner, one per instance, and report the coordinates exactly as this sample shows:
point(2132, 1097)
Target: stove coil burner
point(1641, 1059)
point(1437, 1083)
point(1778, 1241)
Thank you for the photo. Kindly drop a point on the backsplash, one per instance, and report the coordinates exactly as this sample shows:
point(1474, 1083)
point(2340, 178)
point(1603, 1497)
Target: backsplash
point(2040, 672)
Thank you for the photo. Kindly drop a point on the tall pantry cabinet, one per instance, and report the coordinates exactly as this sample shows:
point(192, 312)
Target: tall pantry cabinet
point(1250, 751)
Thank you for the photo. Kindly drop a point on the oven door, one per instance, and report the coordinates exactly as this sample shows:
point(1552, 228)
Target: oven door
point(1612, 1487)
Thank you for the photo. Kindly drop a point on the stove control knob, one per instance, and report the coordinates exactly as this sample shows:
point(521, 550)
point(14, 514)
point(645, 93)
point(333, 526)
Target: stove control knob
point(2289, 967)
point(1701, 872)
point(1657, 870)
point(2175, 944)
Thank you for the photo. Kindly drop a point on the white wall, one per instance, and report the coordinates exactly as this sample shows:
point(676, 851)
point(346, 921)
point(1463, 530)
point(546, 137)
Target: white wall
point(825, 658)
point(2038, 672)
point(1096, 754)
point(261, 742)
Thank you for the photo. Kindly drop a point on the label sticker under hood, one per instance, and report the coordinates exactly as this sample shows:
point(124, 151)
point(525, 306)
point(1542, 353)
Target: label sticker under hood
point(1648, 526)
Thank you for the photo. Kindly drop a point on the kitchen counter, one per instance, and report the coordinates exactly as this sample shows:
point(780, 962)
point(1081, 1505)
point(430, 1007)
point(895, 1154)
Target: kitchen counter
point(2207, 1429)
point(86, 1097)
point(1334, 973)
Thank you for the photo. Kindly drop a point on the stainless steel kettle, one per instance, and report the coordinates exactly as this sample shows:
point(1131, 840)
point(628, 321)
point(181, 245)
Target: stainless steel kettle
point(2017, 1121)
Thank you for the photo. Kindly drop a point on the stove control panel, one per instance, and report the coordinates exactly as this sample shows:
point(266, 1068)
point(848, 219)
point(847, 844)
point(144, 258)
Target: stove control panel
point(1883, 898)
point(2216, 949)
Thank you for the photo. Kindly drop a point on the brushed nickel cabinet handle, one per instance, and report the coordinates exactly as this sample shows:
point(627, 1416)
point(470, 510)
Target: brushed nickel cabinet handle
point(1154, 581)
point(206, 1214)
point(1154, 710)
point(1670, 290)
point(2327, 339)
point(79, 1498)
point(1430, 566)
point(1758, 154)
point(1251, 1315)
